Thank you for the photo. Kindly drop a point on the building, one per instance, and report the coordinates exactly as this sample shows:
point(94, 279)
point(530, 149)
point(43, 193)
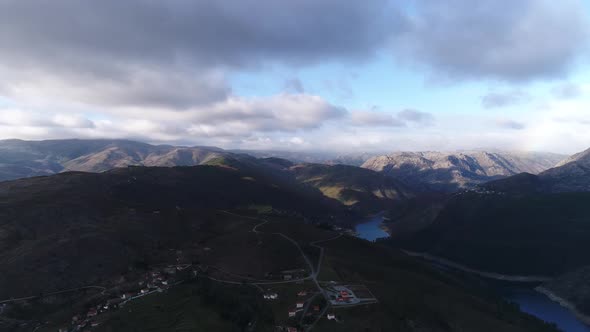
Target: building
point(292, 313)
point(92, 312)
point(299, 305)
point(331, 317)
point(271, 296)
point(302, 293)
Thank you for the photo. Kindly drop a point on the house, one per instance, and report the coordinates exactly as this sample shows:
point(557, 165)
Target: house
point(271, 296)
point(302, 293)
point(92, 312)
point(94, 324)
point(292, 313)
point(299, 304)
point(126, 296)
point(144, 291)
point(316, 308)
point(291, 329)
point(287, 277)
point(331, 316)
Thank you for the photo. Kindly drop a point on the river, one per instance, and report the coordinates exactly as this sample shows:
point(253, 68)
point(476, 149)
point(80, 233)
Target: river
point(528, 299)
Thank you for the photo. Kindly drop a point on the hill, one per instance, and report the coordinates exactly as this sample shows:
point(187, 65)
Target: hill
point(360, 188)
point(188, 248)
point(448, 172)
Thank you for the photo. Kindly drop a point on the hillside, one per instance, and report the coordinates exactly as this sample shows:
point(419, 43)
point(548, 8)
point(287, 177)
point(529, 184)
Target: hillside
point(164, 237)
point(447, 172)
point(356, 187)
point(572, 174)
point(533, 234)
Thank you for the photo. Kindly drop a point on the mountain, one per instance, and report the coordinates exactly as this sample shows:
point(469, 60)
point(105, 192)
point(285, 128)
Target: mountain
point(353, 186)
point(526, 225)
point(447, 172)
point(33, 158)
point(196, 248)
point(572, 174)
point(329, 158)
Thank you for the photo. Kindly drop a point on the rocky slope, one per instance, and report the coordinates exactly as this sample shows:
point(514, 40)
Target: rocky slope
point(440, 171)
point(572, 174)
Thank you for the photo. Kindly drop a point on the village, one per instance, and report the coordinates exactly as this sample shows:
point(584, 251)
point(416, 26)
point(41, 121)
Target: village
point(297, 298)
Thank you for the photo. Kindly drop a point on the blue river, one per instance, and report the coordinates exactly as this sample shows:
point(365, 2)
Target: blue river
point(529, 300)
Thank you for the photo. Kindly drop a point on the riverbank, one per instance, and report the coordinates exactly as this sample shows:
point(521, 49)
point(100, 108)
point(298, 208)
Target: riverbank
point(490, 275)
point(511, 278)
point(564, 303)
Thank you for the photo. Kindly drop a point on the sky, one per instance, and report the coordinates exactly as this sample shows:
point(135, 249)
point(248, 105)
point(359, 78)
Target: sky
point(304, 75)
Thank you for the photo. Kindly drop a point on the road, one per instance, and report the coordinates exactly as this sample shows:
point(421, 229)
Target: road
point(103, 289)
point(315, 271)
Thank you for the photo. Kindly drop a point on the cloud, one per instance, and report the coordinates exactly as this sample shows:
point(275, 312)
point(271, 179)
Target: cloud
point(495, 39)
point(172, 53)
point(567, 91)
point(510, 124)
point(503, 99)
point(20, 118)
point(375, 118)
point(235, 117)
point(416, 117)
point(385, 119)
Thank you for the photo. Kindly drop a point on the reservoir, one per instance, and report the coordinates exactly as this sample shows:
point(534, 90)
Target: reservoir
point(370, 228)
point(529, 300)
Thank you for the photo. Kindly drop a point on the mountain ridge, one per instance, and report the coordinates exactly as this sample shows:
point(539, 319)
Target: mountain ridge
point(451, 171)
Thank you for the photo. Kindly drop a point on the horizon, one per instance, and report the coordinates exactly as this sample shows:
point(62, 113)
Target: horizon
point(330, 153)
point(373, 78)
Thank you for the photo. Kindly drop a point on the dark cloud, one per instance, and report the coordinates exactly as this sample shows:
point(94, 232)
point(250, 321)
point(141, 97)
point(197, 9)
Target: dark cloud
point(503, 99)
point(162, 53)
point(495, 39)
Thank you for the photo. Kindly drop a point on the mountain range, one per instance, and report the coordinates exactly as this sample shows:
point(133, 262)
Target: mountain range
point(196, 248)
point(451, 171)
point(525, 225)
point(420, 171)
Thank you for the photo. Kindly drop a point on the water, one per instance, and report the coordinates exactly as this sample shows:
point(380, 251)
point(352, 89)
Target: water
point(529, 300)
point(542, 307)
point(369, 229)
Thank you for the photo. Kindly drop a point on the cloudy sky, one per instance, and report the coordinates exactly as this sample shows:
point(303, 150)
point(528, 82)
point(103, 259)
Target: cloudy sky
point(340, 75)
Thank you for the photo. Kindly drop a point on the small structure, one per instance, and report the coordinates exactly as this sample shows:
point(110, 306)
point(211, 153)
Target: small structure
point(302, 293)
point(287, 277)
point(271, 296)
point(292, 313)
point(299, 305)
point(291, 329)
point(92, 312)
point(331, 317)
point(316, 308)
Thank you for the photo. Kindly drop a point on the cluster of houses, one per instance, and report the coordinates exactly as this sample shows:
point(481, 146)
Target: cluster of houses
point(154, 281)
